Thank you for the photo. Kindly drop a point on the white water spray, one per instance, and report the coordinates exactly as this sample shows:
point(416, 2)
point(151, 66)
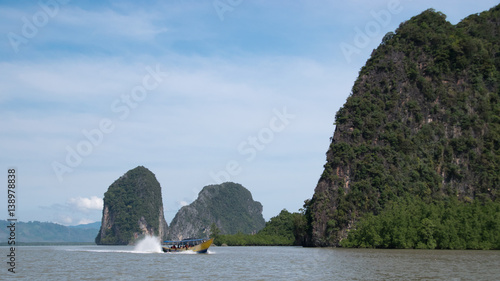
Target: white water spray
point(149, 244)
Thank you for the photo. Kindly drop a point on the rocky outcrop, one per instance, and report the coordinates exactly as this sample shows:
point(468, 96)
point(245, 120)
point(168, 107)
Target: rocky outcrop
point(133, 208)
point(423, 121)
point(229, 205)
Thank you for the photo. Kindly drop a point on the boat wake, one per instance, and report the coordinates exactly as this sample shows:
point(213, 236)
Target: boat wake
point(147, 245)
point(188, 252)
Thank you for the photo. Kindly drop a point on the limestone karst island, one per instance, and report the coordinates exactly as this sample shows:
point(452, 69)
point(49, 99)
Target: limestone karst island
point(414, 161)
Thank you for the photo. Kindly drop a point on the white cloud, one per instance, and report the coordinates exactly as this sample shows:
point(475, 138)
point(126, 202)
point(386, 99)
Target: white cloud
point(68, 81)
point(135, 24)
point(64, 220)
point(76, 210)
point(85, 204)
point(85, 221)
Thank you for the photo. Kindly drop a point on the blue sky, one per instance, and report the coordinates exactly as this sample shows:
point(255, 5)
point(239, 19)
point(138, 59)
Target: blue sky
point(196, 91)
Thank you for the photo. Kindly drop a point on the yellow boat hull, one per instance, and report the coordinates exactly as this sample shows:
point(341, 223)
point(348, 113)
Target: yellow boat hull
point(203, 247)
point(200, 248)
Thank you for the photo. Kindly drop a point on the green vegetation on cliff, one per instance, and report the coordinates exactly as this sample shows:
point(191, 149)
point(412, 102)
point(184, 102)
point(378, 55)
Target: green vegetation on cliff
point(229, 205)
point(422, 122)
point(412, 223)
point(132, 207)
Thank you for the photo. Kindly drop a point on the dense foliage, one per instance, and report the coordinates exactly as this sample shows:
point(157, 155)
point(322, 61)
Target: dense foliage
point(232, 207)
point(134, 196)
point(412, 223)
point(229, 205)
point(423, 121)
point(281, 230)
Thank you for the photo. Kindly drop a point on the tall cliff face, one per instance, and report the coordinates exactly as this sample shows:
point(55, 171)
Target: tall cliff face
point(132, 207)
point(229, 205)
point(423, 120)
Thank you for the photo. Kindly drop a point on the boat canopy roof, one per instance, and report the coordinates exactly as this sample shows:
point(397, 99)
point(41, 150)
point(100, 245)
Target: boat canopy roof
point(184, 241)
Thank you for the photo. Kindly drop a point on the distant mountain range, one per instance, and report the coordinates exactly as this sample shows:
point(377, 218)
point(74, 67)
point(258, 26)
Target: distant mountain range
point(94, 225)
point(35, 231)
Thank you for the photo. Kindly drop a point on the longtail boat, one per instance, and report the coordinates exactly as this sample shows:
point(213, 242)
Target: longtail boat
point(199, 246)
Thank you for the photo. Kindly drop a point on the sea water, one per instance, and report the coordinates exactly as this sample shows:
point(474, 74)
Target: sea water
point(145, 262)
